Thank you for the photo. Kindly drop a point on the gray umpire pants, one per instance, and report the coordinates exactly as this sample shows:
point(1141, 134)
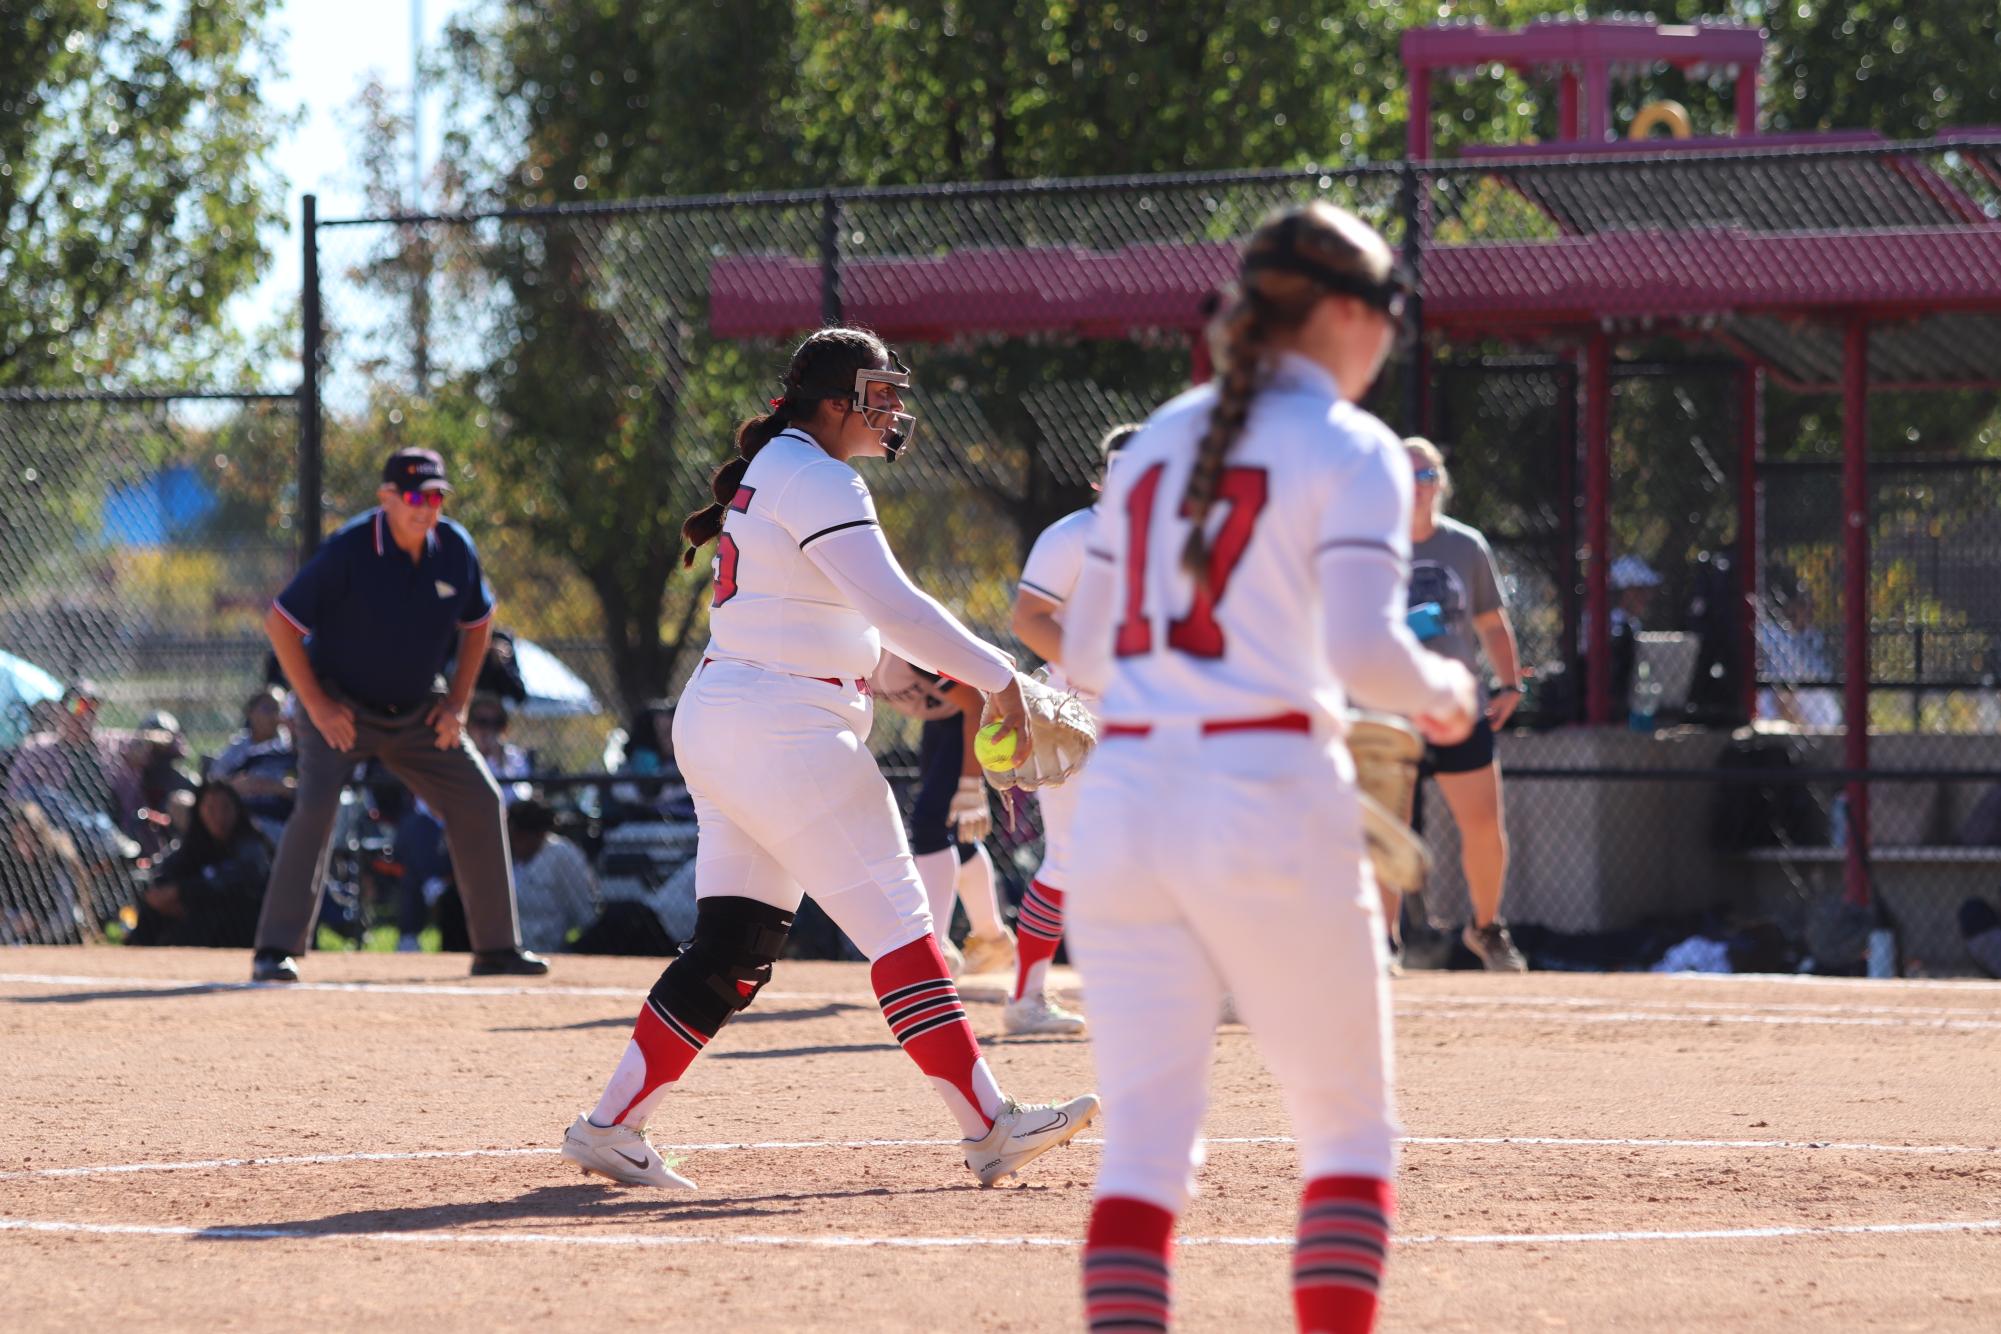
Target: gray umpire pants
point(455, 784)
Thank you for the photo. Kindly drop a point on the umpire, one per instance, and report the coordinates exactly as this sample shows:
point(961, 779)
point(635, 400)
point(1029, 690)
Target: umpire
point(363, 632)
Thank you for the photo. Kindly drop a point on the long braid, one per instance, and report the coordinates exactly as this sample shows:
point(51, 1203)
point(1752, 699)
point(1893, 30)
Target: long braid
point(1245, 336)
point(752, 434)
point(1294, 260)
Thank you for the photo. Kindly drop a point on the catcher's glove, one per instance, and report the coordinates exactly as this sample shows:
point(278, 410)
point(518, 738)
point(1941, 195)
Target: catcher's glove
point(1386, 752)
point(1062, 732)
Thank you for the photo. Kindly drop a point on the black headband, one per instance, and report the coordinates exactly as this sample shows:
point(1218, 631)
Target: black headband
point(1387, 296)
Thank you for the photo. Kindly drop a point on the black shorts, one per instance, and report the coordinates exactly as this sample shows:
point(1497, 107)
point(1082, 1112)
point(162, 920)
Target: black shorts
point(941, 755)
point(1473, 754)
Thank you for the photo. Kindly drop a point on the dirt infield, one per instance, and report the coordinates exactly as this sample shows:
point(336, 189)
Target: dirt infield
point(1586, 1153)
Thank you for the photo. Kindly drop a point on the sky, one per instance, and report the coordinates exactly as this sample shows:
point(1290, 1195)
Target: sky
point(328, 50)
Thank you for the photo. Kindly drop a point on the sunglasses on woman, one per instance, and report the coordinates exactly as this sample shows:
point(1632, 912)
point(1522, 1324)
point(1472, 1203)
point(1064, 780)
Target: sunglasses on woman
point(1424, 475)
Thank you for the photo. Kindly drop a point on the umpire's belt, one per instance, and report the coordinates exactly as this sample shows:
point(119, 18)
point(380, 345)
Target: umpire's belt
point(1277, 722)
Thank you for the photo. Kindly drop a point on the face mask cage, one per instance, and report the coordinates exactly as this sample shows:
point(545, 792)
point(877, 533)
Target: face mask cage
point(897, 427)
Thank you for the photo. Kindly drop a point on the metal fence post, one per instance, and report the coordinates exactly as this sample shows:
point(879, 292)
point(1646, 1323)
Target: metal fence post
point(1417, 382)
point(308, 507)
point(830, 258)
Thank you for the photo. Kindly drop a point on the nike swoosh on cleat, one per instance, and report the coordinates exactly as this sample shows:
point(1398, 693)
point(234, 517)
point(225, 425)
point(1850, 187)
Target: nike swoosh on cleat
point(639, 1163)
point(1062, 1120)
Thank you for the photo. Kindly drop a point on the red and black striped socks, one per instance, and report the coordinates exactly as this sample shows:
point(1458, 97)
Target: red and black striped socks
point(1337, 1265)
point(1038, 930)
point(921, 1003)
point(1127, 1277)
point(660, 1052)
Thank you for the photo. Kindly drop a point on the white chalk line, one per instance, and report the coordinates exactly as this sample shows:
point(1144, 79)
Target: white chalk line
point(473, 989)
point(1772, 1007)
point(649, 1241)
point(1556, 1009)
point(1516, 1014)
point(781, 1146)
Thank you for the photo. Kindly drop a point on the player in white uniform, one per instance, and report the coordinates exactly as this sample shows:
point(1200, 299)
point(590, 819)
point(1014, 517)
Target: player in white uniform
point(1047, 580)
point(771, 735)
point(1246, 581)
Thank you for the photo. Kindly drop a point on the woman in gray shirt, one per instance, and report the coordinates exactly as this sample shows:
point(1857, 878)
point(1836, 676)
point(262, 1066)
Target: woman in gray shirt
point(1458, 611)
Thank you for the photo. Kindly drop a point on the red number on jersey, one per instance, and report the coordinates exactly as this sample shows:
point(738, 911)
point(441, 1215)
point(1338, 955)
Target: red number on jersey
point(726, 559)
point(1245, 491)
point(1135, 633)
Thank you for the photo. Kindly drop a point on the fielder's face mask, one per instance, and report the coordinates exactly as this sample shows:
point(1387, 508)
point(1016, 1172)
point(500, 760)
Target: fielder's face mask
point(897, 427)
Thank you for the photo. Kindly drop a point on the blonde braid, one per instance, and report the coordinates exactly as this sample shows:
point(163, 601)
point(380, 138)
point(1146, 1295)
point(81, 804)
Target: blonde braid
point(1245, 334)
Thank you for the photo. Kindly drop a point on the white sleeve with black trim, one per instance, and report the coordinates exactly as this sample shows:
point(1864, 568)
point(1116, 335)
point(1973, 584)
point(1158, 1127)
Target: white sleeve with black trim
point(825, 497)
point(913, 625)
point(1057, 559)
point(1362, 560)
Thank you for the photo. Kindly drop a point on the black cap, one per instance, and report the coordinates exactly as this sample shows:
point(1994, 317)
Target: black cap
point(416, 470)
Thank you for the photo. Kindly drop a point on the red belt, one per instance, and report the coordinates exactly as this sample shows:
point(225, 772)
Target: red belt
point(1277, 722)
point(858, 683)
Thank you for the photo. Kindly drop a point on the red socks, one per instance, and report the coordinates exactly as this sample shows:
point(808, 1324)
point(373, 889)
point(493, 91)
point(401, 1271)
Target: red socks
point(1337, 1267)
point(1038, 931)
point(1126, 1273)
point(668, 1047)
point(921, 1003)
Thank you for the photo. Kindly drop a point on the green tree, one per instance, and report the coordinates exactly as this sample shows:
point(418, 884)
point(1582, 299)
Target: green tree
point(134, 186)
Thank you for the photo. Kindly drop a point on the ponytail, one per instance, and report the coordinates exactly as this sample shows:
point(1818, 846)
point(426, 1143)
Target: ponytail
point(1296, 257)
point(1245, 335)
point(752, 434)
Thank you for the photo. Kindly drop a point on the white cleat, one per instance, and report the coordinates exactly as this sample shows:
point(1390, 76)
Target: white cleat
point(619, 1153)
point(955, 962)
point(1021, 1134)
point(1037, 1014)
point(990, 954)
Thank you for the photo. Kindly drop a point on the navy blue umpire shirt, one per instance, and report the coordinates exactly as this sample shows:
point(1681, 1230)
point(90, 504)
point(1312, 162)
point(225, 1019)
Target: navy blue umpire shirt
point(380, 627)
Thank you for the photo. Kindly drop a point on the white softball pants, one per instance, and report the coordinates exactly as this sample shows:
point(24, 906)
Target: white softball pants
point(789, 801)
point(1059, 817)
point(1229, 863)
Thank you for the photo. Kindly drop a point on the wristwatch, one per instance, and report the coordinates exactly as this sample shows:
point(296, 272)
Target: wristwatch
point(1505, 690)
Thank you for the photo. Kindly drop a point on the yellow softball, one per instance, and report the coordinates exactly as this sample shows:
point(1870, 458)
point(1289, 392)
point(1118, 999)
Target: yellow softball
point(992, 750)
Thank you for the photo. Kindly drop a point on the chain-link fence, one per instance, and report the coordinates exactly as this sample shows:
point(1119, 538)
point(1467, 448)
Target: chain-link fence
point(583, 368)
point(141, 538)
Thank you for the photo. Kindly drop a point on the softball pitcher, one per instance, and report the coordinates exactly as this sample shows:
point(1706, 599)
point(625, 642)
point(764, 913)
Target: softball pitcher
point(771, 737)
point(1245, 580)
point(1047, 580)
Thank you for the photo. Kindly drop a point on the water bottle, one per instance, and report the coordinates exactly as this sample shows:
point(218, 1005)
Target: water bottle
point(1643, 701)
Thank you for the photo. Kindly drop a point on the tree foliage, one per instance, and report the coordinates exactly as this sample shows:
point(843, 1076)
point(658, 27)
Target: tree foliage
point(133, 182)
point(610, 398)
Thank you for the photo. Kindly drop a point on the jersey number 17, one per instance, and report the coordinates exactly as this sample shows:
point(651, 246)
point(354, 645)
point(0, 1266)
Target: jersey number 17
point(1245, 491)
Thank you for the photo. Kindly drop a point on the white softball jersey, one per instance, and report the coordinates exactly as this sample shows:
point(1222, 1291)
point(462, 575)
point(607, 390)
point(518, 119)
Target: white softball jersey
point(1309, 553)
point(1054, 565)
point(805, 583)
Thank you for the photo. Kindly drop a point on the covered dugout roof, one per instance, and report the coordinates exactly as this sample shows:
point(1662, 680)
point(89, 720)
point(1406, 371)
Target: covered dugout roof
point(1768, 245)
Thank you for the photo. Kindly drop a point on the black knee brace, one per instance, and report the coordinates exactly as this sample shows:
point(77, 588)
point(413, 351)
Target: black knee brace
point(726, 964)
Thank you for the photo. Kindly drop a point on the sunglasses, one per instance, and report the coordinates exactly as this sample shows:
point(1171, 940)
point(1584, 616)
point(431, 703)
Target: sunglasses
point(424, 499)
point(1425, 475)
